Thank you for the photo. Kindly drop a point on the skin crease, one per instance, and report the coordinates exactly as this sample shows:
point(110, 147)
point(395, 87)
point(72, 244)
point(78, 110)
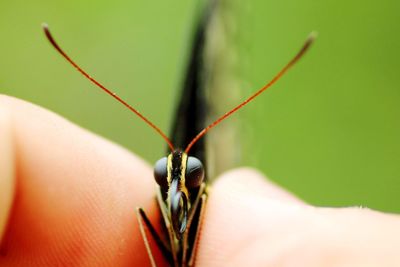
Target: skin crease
point(68, 198)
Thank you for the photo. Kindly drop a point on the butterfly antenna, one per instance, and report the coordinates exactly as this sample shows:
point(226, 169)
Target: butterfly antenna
point(302, 51)
point(84, 73)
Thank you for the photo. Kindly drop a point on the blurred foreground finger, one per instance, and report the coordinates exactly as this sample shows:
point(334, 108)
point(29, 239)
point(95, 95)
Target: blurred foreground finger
point(75, 195)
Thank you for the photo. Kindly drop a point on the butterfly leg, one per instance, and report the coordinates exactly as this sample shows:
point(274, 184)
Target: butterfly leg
point(196, 210)
point(202, 206)
point(144, 222)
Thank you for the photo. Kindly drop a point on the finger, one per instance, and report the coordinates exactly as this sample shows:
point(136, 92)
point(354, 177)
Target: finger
point(244, 226)
point(6, 169)
point(76, 195)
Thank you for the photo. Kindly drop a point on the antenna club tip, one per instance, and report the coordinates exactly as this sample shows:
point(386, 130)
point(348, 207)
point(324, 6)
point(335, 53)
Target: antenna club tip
point(45, 25)
point(313, 35)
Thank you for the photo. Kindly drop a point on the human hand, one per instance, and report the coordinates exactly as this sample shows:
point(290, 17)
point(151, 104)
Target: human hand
point(69, 199)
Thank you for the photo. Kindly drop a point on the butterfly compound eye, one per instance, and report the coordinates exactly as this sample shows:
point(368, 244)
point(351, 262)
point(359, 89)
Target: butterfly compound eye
point(161, 172)
point(194, 172)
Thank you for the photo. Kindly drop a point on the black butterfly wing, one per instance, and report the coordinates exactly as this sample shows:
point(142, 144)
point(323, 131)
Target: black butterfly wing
point(191, 114)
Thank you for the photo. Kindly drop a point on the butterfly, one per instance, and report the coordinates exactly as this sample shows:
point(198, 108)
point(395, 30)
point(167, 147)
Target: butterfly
point(181, 176)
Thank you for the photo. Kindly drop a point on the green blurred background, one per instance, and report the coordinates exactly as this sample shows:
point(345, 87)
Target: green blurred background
point(329, 131)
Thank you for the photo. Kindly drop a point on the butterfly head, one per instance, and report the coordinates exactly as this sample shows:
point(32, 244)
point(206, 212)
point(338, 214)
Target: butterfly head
point(177, 175)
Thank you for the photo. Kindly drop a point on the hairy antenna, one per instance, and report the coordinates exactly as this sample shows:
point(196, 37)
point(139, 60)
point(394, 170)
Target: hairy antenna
point(302, 51)
point(84, 73)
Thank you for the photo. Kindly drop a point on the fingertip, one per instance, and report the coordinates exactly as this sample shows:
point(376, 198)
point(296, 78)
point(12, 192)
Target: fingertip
point(243, 206)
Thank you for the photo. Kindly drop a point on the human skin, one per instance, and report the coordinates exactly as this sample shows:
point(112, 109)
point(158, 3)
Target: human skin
point(68, 198)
